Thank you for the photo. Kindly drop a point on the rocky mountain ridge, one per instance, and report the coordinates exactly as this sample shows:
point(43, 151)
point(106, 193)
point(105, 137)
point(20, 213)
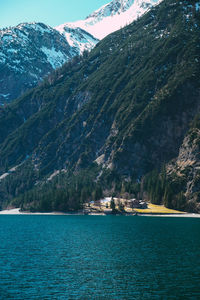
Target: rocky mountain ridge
point(30, 51)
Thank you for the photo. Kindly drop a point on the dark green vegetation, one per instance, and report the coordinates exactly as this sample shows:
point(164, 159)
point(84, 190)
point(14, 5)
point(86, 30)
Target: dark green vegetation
point(119, 114)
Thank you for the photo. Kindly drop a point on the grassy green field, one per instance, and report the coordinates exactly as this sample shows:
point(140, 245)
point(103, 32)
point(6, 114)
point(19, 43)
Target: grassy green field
point(157, 209)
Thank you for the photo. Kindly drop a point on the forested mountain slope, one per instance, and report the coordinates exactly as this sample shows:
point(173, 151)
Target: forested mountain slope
point(124, 107)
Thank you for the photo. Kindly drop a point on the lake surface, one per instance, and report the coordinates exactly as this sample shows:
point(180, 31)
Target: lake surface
point(97, 257)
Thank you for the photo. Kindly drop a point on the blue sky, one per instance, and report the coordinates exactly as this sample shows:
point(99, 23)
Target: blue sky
point(51, 12)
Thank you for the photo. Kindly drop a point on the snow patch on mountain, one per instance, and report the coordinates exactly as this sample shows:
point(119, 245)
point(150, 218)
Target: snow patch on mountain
point(55, 58)
point(5, 95)
point(77, 37)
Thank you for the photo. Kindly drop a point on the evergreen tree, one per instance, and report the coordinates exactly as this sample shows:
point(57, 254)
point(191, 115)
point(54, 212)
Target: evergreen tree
point(112, 205)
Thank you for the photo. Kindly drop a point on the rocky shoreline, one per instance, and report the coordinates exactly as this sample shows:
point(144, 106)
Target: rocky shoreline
point(16, 211)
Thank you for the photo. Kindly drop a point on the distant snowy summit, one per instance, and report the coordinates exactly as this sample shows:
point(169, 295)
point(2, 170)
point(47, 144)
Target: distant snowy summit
point(30, 51)
point(111, 17)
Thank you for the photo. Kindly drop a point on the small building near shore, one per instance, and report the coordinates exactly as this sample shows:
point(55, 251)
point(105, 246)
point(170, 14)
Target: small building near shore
point(134, 203)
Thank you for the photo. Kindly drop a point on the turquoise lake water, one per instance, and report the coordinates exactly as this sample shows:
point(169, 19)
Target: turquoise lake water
point(97, 257)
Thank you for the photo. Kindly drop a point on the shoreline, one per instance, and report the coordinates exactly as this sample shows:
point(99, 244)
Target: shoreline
point(16, 211)
point(186, 215)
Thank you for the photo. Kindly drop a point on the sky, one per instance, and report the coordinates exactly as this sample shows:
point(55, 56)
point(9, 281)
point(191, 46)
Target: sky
point(50, 12)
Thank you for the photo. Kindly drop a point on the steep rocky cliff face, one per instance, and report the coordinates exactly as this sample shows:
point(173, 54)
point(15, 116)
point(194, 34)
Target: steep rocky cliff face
point(157, 133)
point(186, 168)
point(125, 107)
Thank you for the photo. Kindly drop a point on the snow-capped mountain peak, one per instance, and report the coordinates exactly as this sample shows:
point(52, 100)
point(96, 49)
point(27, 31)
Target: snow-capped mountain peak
point(112, 8)
point(112, 16)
